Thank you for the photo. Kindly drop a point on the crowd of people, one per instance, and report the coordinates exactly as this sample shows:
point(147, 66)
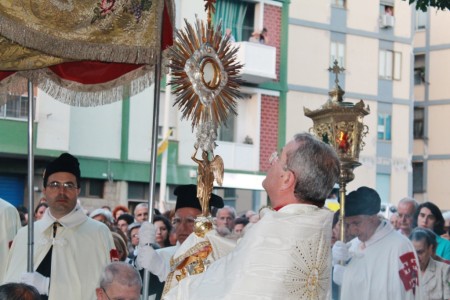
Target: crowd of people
point(411, 250)
point(291, 250)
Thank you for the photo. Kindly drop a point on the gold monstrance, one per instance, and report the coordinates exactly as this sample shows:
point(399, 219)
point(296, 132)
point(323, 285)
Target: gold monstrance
point(205, 80)
point(340, 124)
point(206, 84)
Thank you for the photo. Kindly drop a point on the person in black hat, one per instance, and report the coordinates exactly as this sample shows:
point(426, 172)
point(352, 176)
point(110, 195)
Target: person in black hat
point(71, 249)
point(385, 257)
point(187, 208)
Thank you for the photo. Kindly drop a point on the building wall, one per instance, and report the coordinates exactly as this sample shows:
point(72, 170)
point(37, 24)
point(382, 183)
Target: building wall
point(433, 95)
point(272, 22)
point(269, 129)
point(312, 28)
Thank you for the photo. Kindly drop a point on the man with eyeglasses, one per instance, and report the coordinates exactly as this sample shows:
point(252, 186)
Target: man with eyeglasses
point(70, 249)
point(286, 254)
point(119, 280)
point(187, 208)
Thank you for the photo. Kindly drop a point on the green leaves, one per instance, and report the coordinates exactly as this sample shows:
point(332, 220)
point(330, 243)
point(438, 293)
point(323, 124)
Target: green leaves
point(424, 4)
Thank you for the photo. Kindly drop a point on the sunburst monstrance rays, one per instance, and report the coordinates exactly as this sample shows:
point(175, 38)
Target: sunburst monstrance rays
point(205, 74)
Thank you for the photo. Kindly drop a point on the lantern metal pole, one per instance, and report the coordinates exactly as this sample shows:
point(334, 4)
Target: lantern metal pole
point(30, 178)
point(342, 192)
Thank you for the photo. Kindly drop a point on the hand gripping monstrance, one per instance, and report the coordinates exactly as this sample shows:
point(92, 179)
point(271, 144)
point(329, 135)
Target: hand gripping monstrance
point(208, 171)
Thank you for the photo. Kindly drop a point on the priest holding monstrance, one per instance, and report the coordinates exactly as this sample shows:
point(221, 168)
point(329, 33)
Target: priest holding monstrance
point(286, 255)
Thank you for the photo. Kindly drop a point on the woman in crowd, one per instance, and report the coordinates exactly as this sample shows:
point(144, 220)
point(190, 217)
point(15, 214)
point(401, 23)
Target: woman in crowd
point(163, 229)
point(119, 210)
point(435, 274)
point(40, 210)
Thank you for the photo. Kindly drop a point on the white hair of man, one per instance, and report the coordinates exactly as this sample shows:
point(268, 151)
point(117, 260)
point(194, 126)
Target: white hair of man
point(231, 210)
point(407, 200)
point(316, 167)
point(140, 205)
point(121, 273)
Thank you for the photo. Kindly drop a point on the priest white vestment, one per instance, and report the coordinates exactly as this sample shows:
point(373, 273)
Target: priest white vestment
point(385, 267)
point(286, 255)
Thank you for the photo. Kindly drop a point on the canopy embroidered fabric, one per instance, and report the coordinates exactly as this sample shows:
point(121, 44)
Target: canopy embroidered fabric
point(83, 52)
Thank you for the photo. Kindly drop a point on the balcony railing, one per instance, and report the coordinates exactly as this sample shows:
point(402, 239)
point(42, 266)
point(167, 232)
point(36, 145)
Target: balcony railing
point(259, 62)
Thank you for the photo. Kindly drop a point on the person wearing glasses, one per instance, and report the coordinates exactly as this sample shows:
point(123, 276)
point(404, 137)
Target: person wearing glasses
point(187, 208)
point(119, 280)
point(70, 249)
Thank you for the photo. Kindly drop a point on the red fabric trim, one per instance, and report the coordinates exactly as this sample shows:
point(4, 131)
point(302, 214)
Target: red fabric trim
point(10, 244)
point(167, 30)
point(278, 207)
point(4, 74)
point(92, 72)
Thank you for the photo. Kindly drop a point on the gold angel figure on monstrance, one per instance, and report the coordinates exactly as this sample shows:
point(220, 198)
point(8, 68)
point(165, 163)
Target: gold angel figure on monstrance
point(208, 171)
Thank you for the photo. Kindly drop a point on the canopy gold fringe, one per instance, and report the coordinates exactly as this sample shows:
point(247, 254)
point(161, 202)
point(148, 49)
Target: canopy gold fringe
point(76, 94)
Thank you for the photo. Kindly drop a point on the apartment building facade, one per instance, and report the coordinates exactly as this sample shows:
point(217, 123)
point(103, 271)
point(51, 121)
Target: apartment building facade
point(113, 141)
point(373, 41)
point(431, 151)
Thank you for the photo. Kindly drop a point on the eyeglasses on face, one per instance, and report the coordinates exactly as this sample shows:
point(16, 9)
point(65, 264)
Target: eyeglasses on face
point(106, 294)
point(186, 220)
point(274, 157)
point(68, 186)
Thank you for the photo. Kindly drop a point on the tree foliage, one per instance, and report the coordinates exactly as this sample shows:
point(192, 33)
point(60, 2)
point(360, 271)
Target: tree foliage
point(424, 4)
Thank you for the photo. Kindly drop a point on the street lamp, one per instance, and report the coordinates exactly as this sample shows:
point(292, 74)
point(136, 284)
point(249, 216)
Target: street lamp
point(340, 124)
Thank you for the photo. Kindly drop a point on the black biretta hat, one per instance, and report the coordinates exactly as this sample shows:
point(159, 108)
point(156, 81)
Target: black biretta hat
point(187, 197)
point(64, 163)
point(363, 201)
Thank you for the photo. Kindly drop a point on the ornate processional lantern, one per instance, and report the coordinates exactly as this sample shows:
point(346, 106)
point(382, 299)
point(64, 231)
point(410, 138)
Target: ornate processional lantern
point(340, 124)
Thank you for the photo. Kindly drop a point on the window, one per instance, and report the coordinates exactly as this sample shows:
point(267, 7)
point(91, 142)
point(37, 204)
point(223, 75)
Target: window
point(390, 64)
point(337, 52)
point(384, 127)
point(419, 69)
point(92, 188)
point(226, 131)
point(383, 184)
point(229, 197)
point(138, 190)
point(160, 132)
point(16, 107)
point(419, 119)
point(418, 184)
point(421, 20)
point(387, 9)
point(238, 16)
point(338, 3)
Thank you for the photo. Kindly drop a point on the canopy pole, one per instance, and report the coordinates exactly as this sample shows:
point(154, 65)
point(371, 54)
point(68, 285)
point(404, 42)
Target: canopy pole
point(30, 178)
point(164, 159)
point(153, 153)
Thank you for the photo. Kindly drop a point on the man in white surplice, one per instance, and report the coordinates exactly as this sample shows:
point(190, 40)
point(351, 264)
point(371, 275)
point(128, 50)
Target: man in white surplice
point(286, 255)
point(380, 262)
point(70, 248)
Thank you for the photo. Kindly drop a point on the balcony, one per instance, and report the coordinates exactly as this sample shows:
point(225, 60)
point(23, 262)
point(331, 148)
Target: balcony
point(259, 62)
